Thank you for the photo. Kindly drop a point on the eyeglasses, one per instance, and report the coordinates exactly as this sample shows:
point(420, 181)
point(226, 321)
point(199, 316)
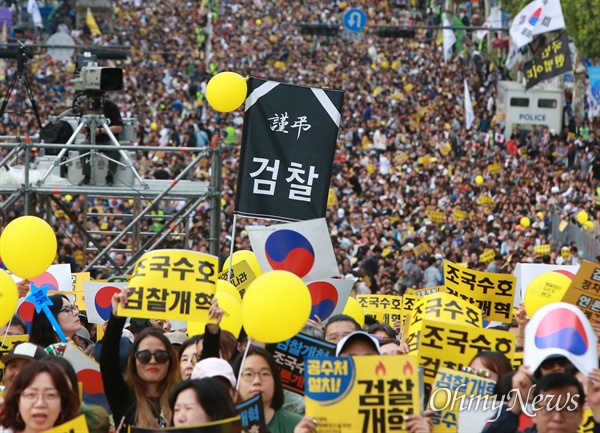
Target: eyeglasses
point(71, 310)
point(481, 373)
point(161, 356)
point(47, 397)
point(248, 376)
point(549, 363)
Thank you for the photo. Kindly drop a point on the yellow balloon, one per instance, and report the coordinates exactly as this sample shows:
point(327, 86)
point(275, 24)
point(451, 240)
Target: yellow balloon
point(232, 313)
point(355, 310)
point(582, 217)
point(545, 289)
point(228, 288)
point(248, 256)
point(588, 225)
point(275, 307)
point(68, 198)
point(525, 222)
point(226, 91)
point(232, 316)
point(258, 22)
point(154, 126)
point(28, 246)
point(9, 297)
point(479, 179)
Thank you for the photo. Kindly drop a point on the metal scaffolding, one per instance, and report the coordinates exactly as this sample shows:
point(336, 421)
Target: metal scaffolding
point(51, 189)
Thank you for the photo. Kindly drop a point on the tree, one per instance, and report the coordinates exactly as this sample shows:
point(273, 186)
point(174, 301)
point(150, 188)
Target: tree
point(582, 19)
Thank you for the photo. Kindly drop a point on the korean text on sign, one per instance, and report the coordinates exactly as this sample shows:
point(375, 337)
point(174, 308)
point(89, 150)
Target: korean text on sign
point(362, 394)
point(584, 291)
point(384, 308)
point(492, 293)
point(443, 307)
point(172, 285)
point(241, 275)
point(441, 344)
point(290, 354)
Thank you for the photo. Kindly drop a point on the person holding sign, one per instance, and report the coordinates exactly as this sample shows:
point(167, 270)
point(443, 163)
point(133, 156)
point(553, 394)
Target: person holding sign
point(39, 399)
point(152, 373)
point(260, 375)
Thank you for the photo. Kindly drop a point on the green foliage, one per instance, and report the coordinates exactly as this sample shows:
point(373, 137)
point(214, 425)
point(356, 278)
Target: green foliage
point(582, 18)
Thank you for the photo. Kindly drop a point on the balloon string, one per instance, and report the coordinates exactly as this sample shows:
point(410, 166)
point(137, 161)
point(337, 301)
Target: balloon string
point(7, 328)
point(239, 378)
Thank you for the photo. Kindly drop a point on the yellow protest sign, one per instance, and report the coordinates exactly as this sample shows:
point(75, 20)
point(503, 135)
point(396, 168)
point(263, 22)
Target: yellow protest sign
point(241, 276)
point(172, 285)
point(487, 256)
point(438, 217)
point(9, 343)
point(588, 423)
point(77, 280)
point(384, 308)
point(542, 250)
point(75, 425)
point(331, 198)
point(421, 249)
point(453, 389)
point(401, 158)
point(424, 160)
point(362, 394)
point(445, 149)
point(459, 214)
point(443, 307)
point(494, 168)
point(584, 291)
point(492, 293)
point(443, 344)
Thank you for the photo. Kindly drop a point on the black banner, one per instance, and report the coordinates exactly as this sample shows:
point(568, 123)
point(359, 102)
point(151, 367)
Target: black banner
point(252, 414)
point(288, 144)
point(289, 355)
point(551, 61)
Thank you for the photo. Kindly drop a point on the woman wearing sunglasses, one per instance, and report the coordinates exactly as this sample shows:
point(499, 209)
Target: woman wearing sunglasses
point(67, 315)
point(140, 399)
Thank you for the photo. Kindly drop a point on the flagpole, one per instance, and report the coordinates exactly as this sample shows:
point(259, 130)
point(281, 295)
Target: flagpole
point(231, 248)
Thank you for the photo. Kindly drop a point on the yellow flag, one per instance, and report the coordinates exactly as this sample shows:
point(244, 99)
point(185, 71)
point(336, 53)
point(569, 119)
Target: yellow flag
point(91, 23)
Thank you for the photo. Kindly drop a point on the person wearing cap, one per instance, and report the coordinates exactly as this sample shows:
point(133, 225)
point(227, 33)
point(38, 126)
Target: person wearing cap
point(358, 343)
point(17, 358)
point(219, 369)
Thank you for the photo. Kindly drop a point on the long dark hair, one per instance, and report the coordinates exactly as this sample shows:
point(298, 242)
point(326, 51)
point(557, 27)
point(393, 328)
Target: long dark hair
point(69, 399)
point(42, 333)
point(211, 394)
point(144, 416)
point(277, 401)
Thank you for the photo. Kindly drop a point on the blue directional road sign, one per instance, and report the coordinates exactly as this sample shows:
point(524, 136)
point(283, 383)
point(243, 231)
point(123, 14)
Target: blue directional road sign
point(355, 19)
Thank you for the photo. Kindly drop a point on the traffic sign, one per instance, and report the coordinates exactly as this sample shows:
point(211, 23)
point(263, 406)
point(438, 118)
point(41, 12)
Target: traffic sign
point(355, 19)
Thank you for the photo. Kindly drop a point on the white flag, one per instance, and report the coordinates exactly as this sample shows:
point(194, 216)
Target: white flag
point(449, 39)
point(539, 16)
point(521, 29)
point(494, 21)
point(513, 56)
point(34, 11)
point(551, 18)
point(469, 113)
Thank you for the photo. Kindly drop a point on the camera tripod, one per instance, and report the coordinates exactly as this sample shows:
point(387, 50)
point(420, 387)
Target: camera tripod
point(93, 121)
point(19, 78)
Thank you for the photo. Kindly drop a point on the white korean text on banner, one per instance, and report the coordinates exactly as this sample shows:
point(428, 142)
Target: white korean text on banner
point(288, 144)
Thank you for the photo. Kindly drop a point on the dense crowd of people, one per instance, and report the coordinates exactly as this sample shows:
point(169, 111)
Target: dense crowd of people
point(404, 154)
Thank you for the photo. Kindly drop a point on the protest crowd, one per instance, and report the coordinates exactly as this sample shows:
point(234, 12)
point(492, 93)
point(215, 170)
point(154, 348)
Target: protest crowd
point(412, 189)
